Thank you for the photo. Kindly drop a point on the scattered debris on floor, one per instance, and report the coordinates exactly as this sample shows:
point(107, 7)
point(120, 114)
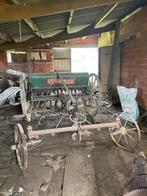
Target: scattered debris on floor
point(60, 165)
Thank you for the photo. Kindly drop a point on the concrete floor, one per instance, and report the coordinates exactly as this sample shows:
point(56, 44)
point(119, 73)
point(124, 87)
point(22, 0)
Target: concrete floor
point(61, 166)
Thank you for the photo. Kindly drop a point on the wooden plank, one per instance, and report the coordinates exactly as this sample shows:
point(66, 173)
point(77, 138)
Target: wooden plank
point(79, 176)
point(36, 41)
point(29, 10)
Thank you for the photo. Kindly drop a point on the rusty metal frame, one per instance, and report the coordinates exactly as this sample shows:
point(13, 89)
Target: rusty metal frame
point(24, 141)
point(36, 133)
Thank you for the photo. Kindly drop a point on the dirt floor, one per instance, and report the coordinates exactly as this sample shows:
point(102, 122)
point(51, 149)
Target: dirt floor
point(61, 165)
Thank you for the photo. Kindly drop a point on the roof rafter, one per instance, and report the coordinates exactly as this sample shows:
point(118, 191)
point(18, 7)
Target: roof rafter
point(105, 14)
point(70, 20)
point(29, 10)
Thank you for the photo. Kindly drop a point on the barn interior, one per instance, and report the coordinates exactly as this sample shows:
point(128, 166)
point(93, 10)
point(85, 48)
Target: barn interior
point(73, 98)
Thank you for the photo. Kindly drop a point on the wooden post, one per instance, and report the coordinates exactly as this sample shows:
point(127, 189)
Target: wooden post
point(114, 73)
point(29, 61)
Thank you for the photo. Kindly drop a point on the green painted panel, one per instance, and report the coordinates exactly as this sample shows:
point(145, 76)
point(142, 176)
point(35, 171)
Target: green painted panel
point(52, 80)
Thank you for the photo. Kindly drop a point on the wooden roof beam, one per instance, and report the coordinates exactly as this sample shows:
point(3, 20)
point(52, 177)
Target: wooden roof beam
point(70, 20)
point(21, 11)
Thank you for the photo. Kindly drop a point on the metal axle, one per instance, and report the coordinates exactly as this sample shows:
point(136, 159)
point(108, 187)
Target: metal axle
point(36, 133)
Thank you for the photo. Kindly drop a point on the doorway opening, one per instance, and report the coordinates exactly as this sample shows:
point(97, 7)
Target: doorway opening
point(84, 60)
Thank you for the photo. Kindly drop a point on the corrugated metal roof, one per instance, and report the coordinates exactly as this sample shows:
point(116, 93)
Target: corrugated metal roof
point(53, 24)
point(50, 23)
point(123, 9)
point(54, 18)
point(12, 28)
point(89, 11)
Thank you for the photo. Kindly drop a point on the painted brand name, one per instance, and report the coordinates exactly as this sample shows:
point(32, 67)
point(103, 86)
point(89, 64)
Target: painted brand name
point(58, 81)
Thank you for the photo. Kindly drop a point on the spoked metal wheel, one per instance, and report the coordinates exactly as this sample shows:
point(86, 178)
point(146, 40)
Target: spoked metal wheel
point(143, 122)
point(23, 98)
point(94, 89)
point(127, 136)
point(21, 147)
point(94, 84)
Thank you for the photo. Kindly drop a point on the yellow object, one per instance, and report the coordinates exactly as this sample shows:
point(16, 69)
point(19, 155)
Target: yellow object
point(106, 39)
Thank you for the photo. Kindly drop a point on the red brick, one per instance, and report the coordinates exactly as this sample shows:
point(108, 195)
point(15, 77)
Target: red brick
point(134, 55)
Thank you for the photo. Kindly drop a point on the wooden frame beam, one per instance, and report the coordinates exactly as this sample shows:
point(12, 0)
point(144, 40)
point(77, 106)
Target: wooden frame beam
point(29, 10)
point(36, 41)
point(70, 20)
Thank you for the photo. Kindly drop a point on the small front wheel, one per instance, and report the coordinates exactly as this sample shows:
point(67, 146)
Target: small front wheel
point(21, 147)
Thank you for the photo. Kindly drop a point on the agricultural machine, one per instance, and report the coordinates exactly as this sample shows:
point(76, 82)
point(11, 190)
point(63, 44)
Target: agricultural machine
point(70, 91)
point(76, 94)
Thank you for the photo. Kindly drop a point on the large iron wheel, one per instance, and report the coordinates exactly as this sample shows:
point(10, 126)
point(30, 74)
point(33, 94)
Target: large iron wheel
point(21, 147)
point(143, 122)
point(127, 136)
point(23, 98)
point(94, 89)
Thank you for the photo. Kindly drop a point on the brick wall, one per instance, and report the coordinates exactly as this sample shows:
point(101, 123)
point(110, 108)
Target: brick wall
point(36, 67)
point(4, 65)
point(134, 55)
point(47, 66)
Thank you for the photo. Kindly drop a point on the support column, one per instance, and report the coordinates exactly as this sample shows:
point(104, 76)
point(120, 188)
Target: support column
point(114, 73)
